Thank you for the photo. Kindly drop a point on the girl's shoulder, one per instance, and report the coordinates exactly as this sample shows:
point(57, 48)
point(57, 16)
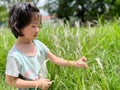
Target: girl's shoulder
point(39, 43)
point(12, 51)
point(41, 46)
point(14, 54)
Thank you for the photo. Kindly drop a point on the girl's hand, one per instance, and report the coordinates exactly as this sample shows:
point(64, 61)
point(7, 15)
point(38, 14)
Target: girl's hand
point(81, 63)
point(44, 84)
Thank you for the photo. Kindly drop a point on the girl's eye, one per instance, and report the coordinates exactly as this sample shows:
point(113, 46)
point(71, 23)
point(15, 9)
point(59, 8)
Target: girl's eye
point(33, 26)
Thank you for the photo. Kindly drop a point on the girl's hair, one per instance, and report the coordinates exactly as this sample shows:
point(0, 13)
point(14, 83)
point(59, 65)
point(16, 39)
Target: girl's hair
point(20, 15)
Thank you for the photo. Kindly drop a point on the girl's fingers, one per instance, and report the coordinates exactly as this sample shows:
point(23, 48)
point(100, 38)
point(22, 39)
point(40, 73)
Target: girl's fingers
point(47, 80)
point(83, 64)
point(83, 59)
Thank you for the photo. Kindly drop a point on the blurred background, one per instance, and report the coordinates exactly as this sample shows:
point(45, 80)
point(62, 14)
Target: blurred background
point(69, 10)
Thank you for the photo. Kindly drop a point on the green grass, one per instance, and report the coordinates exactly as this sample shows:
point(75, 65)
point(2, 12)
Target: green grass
point(100, 44)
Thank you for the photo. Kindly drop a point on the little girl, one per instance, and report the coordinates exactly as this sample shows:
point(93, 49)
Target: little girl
point(25, 59)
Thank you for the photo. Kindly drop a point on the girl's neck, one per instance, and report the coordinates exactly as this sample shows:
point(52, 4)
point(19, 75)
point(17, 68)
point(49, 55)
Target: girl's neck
point(22, 40)
point(27, 47)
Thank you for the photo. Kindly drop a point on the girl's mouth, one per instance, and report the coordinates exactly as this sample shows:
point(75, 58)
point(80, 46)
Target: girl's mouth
point(36, 35)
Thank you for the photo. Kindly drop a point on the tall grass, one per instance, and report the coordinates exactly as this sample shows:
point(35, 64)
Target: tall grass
point(100, 44)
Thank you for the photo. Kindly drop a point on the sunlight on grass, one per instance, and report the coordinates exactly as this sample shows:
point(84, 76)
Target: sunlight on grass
point(100, 44)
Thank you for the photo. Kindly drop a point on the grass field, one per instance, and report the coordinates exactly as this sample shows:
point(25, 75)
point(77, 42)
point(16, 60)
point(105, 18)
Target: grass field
point(100, 44)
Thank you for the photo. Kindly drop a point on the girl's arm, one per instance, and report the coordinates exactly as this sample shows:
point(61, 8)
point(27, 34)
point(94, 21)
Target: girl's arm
point(20, 83)
point(81, 63)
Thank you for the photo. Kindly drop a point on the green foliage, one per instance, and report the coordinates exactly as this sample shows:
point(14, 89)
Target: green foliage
point(100, 44)
point(3, 14)
point(84, 9)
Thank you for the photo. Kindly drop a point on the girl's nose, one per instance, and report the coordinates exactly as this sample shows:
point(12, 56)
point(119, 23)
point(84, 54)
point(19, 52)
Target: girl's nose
point(37, 29)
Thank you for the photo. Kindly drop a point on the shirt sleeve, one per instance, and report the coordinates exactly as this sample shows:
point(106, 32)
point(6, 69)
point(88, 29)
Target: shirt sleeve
point(44, 48)
point(12, 67)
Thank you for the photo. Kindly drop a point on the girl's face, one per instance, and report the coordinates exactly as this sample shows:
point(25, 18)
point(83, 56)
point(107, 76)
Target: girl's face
point(31, 31)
